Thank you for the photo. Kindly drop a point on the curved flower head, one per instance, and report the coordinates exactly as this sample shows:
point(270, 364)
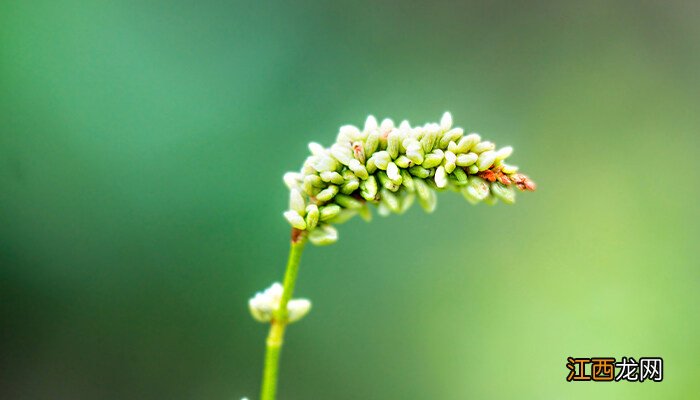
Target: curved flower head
point(389, 166)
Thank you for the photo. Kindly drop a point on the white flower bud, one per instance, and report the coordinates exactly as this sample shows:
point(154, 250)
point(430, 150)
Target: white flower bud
point(477, 190)
point(323, 163)
point(452, 146)
point(296, 201)
point(451, 136)
point(415, 153)
point(387, 125)
point(429, 202)
point(483, 146)
point(433, 159)
point(370, 123)
point(381, 159)
point(392, 171)
point(504, 153)
point(314, 180)
point(419, 171)
point(450, 157)
point(407, 181)
point(509, 169)
point(460, 176)
point(312, 215)
point(350, 186)
point(450, 161)
point(386, 182)
point(358, 169)
point(466, 143)
point(332, 176)
point(422, 189)
point(486, 160)
point(428, 141)
point(292, 179)
point(446, 121)
point(370, 166)
point(327, 193)
point(393, 143)
point(265, 304)
point(407, 202)
point(390, 200)
point(297, 309)
point(359, 151)
point(403, 162)
point(346, 201)
point(348, 133)
point(368, 188)
point(295, 219)
point(316, 149)
point(465, 160)
point(329, 212)
point(342, 153)
point(372, 143)
point(449, 166)
point(503, 192)
point(440, 177)
point(323, 235)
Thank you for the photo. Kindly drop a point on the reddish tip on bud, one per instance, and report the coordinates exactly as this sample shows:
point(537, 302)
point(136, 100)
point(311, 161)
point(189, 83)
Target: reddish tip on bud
point(487, 175)
point(523, 182)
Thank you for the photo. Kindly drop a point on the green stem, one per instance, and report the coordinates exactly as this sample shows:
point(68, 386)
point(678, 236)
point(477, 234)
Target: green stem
point(275, 338)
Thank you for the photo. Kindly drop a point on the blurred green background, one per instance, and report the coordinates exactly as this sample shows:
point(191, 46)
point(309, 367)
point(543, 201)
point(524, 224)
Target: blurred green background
point(142, 146)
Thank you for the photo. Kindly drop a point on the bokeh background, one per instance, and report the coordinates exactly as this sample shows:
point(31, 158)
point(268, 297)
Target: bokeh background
point(142, 146)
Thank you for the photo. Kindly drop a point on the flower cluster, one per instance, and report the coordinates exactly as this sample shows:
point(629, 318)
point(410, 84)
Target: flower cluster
point(264, 305)
point(391, 166)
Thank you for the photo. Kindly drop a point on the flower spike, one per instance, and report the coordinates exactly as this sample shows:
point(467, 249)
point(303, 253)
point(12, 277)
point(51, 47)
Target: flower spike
point(387, 166)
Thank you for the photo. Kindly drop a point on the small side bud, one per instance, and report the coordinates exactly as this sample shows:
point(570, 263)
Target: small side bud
point(297, 309)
